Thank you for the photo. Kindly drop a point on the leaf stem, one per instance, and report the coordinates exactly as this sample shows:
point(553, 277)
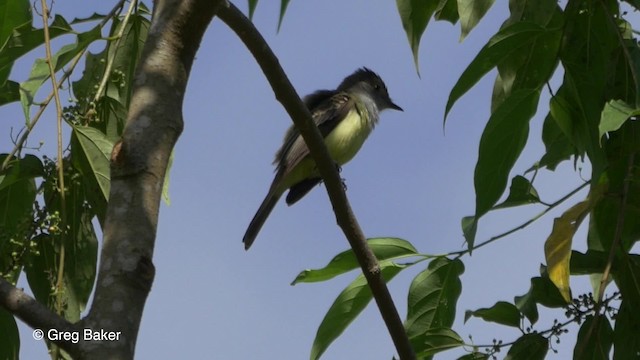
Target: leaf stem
point(521, 226)
point(59, 290)
point(107, 69)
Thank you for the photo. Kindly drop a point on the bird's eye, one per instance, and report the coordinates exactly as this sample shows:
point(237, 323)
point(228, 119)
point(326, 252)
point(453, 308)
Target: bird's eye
point(376, 86)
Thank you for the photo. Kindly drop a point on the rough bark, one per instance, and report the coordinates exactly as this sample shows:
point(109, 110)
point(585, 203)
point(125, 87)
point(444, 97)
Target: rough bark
point(138, 166)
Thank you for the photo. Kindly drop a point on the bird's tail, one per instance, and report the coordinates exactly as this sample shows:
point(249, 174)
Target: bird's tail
point(260, 217)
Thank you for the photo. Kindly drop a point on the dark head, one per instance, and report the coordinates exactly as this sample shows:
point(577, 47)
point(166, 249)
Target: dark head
point(368, 81)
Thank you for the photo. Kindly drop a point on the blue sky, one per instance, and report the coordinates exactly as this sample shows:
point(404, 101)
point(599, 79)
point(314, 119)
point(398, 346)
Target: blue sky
point(211, 299)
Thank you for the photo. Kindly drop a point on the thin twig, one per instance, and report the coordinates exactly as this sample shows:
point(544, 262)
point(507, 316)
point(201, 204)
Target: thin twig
point(521, 226)
point(578, 316)
point(107, 69)
point(61, 188)
point(60, 160)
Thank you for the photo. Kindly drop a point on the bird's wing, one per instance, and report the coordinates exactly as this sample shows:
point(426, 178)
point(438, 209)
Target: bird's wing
point(311, 101)
point(326, 115)
point(299, 190)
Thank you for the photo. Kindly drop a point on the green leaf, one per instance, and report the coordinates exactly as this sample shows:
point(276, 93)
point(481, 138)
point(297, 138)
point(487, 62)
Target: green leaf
point(563, 113)
point(96, 149)
point(80, 244)
point(82, 257)
point(546, 293)
point(40, 71)
point(594, 340)
point(592, 262)
point(39, 74)
point(542, 291)
point(530, 67)
point(415, 16)
point(125, 57)
point(557, 144)
point(10, 339)
point(17, 195)
point(347, 306)
point(108, 113)
point(499, 48)
point(283, 10)
point(529, 347)
point(502, 313)
point(540, 12)
point(434, 341)
point(84, 88)
point(587, 61)
point(447, 10)
point(498, 93)
point(614, 115)
point(627, 277)
point(469, 229)
point(383, 248)
point(252, 8)
point(40, 269)
point(625, 334)
point(9, 92)
point(619, 177)
point(29, 167)
point(474, 356)
point(94, 17)
point(521, 192)
point(471, 12)
point(526, 304)
point(26, 38)
point(90, 155)
point(557, 247)
point(502, 141)
point(13, 14)
point(433, 296)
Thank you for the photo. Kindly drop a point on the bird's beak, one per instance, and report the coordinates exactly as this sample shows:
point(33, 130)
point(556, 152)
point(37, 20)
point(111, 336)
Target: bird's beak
point(394, 106)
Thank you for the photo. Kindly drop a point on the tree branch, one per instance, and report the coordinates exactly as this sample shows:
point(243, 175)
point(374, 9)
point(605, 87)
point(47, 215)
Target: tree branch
point(138, 166)
point(287, 96)
point(33, 313)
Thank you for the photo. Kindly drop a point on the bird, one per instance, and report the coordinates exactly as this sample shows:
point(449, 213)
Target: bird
point(345, 117)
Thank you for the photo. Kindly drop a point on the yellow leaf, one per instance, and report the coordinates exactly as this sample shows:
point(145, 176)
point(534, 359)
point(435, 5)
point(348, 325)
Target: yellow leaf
point(557, 248)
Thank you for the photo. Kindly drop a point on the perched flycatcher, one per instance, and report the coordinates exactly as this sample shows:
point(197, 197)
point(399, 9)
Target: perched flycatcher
point(345, 117)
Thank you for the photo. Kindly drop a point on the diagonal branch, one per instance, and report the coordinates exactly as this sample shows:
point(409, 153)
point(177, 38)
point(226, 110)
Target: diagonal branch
point(33, 313)
point(286, 94)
